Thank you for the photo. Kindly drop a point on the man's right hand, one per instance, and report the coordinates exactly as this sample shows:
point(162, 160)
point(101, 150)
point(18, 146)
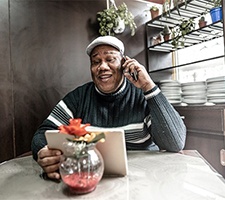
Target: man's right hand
point(49, 160)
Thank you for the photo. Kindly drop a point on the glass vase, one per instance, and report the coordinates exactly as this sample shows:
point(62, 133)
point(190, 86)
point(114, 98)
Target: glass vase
point(81, 167)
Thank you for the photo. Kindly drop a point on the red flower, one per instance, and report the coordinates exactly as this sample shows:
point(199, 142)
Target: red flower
point(74, 128)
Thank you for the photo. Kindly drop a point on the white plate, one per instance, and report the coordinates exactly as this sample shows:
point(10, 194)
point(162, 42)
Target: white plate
point(169, 81)
point(170, 88)
point(216, 95)
point(212, 91)
point(169, 85)
point(195, 97)
point(173, 96)
point(191, 93)
point(212, 98)
point(194, 101)
point(219, 78)
point(193, 83)
point(172, 92)
point(216, 85)
point(193, 87)
point(174, 101)
point(217, 101)
point(209, 104)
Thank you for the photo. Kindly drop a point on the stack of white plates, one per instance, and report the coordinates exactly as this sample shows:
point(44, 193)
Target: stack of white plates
point(216, 89)
point(194, 92)
point(171, 90)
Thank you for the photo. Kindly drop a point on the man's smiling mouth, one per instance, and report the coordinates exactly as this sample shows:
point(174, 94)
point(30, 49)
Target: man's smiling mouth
point(105, 77)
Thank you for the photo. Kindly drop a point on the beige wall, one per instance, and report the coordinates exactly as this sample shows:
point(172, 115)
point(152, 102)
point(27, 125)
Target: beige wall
point(42, 57)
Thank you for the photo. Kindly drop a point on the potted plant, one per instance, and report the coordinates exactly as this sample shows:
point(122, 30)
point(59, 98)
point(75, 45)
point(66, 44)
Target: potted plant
point(114, 20)
point(178, 32)
point(176, 3)
point(167, 5)
point(166, 32)
point(202, 22)
point(154, 10)
point(216, 11)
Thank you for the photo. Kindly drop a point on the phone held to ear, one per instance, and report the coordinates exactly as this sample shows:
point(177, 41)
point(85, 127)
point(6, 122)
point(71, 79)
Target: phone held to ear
point(133, 74)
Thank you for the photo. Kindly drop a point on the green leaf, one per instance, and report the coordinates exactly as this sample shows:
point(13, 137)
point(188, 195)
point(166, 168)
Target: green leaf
point(98, 137)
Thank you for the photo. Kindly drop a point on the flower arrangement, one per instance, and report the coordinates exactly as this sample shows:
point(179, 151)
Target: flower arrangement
point(81, 137)
point(82, 165)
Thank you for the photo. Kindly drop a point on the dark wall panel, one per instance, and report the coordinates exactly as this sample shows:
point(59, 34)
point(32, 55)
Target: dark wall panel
point(6, 102)
point(48, 59)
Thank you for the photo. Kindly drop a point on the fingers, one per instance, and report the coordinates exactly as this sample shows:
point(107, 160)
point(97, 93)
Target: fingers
point(52, 165)
point(49, 160)
point(46, 152)
point(143, 81)
point(53, 175)
point(130, 65)
point(130, 69)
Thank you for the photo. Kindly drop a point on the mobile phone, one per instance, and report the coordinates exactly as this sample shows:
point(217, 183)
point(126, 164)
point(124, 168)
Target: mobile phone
point(134, 74)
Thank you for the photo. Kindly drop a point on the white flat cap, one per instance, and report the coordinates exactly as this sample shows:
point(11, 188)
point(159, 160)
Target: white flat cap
point(105, 40)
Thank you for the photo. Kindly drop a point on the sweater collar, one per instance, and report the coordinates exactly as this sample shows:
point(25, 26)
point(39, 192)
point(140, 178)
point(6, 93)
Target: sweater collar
point(117, 92)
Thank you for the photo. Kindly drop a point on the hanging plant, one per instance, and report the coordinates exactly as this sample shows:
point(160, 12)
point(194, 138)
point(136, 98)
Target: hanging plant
point(178, 33)
point(114, 20)
point(168, 3)
point(176, 4)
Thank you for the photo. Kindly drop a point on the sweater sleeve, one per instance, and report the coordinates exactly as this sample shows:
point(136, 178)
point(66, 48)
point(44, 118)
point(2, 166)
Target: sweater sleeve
point(167, 128)
point(59, 115)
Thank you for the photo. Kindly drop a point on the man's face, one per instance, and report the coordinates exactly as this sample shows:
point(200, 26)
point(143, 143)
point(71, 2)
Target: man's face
point(106, 69)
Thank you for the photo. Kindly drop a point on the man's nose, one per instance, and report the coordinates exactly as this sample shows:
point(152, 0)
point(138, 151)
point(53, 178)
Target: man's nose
point(103, 66)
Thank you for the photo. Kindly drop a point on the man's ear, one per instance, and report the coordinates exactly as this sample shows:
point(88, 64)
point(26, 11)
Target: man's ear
point(123, 60)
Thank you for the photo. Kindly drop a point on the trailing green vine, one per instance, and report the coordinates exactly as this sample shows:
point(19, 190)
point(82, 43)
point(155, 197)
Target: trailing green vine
point(110, 18)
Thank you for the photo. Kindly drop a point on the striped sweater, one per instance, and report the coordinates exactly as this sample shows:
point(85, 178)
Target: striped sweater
point(148, 119)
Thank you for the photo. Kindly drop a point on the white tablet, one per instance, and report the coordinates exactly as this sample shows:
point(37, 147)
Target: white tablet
point(113, 150)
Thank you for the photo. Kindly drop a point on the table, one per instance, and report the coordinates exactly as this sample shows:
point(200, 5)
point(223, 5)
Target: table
point(152, 175)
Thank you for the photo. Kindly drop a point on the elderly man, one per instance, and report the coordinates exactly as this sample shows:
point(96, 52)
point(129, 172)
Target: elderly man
point(122, 94)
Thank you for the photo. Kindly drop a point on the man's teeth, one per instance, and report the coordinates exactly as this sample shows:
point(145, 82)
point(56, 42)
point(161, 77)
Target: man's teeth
point(105, 76)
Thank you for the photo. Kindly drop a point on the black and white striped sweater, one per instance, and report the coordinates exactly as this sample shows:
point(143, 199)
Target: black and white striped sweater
point(146, 118)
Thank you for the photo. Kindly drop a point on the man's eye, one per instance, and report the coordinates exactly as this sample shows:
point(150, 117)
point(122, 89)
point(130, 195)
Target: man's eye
point(95, 62)
point(111, 60)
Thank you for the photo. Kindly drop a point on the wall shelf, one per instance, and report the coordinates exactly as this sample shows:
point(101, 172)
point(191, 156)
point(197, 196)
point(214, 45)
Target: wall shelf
point(160, 53)
point(194, 37)
point(193, 10)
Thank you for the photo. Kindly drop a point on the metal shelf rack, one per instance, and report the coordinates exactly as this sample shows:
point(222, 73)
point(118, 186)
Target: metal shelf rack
point(194, 9)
